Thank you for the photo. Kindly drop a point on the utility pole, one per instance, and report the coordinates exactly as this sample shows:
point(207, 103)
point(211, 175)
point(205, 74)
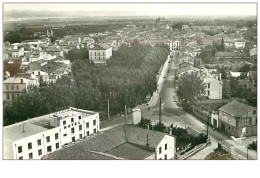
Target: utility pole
point(208, 125)
point(125, 114)
point(160, 111)
point(108, 115)
point(108, 109)
point(247, 154)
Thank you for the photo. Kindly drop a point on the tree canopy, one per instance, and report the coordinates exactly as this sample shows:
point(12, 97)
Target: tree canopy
point(130, 75)
point(191, 88)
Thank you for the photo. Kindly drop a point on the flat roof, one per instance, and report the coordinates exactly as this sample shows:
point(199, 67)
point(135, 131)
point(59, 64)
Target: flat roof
point(39, 124)
point(15, 132)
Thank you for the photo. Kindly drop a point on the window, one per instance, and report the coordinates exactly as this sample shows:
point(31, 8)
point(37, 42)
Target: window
point(13, 96)
point(48, 139)
point(165, 156)
point(20, 149)
point(17, 87)
point(94, 122)
point(87, 133)
point(30, 145)
point(160, 150)
point(56, 136)
point(8, 97)
point(87, 125)
point(73, 139)
point(80, 127)
point(40, 152)
point(20, 157)
point(64, 135)
point(254, 111)
point(12, 87)
point(79, 117)
point(57, 145)
point(250, 120)
point(39, 142)
point(165, 146)
point(80, 136)
point(7, 87)
point(48, 149)
point(208, 92)
point(72, 130)
point(72, 119)
point(208, 85)
point(64, 122)
point(30, 155)
point(95, 130)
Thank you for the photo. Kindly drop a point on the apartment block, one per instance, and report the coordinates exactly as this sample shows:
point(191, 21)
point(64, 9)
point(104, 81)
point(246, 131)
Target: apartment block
point(34, 138)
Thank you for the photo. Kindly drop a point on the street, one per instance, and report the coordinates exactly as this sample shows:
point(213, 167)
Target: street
point(172, 114)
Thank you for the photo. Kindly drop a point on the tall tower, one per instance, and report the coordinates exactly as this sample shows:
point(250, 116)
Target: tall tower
point(157, 22)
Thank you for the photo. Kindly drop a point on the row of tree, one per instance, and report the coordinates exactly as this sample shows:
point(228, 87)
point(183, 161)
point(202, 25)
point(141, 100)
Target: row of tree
point(183, 138)
point(129, 76)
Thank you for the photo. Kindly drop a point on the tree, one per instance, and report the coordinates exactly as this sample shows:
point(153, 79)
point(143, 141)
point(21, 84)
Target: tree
point(245, 68)
point(223, 73)
point(222, 45)
point(160, 127)
point(144, 123)
point(191, 88)
point(76, 54)
point(208, 53)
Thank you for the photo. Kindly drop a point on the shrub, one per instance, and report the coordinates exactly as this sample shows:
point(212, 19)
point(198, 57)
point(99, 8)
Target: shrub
point(253, 145)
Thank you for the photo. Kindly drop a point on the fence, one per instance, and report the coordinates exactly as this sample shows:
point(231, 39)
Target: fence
point(223, 147)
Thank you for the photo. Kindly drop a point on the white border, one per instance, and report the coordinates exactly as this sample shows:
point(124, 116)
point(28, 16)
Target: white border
point(121, 169)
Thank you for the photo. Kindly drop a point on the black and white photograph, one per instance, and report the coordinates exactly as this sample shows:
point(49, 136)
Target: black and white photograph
point(129, 81)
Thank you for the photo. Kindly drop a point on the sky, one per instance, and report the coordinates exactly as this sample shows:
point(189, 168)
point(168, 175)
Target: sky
point(162, 9)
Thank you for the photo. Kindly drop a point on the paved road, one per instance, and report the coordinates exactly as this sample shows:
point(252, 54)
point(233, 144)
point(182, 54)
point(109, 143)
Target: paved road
point(172, 114)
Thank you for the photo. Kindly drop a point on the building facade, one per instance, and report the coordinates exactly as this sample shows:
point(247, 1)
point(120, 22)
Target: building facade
point(42, 135)
point(122, 142)
point(236, 115)
point(100, 53)
point(213, 88)
point(15, 86)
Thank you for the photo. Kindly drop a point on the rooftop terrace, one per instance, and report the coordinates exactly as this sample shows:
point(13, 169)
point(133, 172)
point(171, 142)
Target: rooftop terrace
point(39, 124)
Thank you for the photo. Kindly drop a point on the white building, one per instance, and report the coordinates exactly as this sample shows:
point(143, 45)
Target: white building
point(15, 86)
point(122, 142)
point(184, 27)
point(213, 87)
point(100, 53)
point(17, 52)
point(240, 44)
point(42, 135)
point(174, 45)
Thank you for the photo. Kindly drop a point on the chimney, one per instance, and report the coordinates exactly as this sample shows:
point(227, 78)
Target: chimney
point(21, 80)
point(170, 132)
